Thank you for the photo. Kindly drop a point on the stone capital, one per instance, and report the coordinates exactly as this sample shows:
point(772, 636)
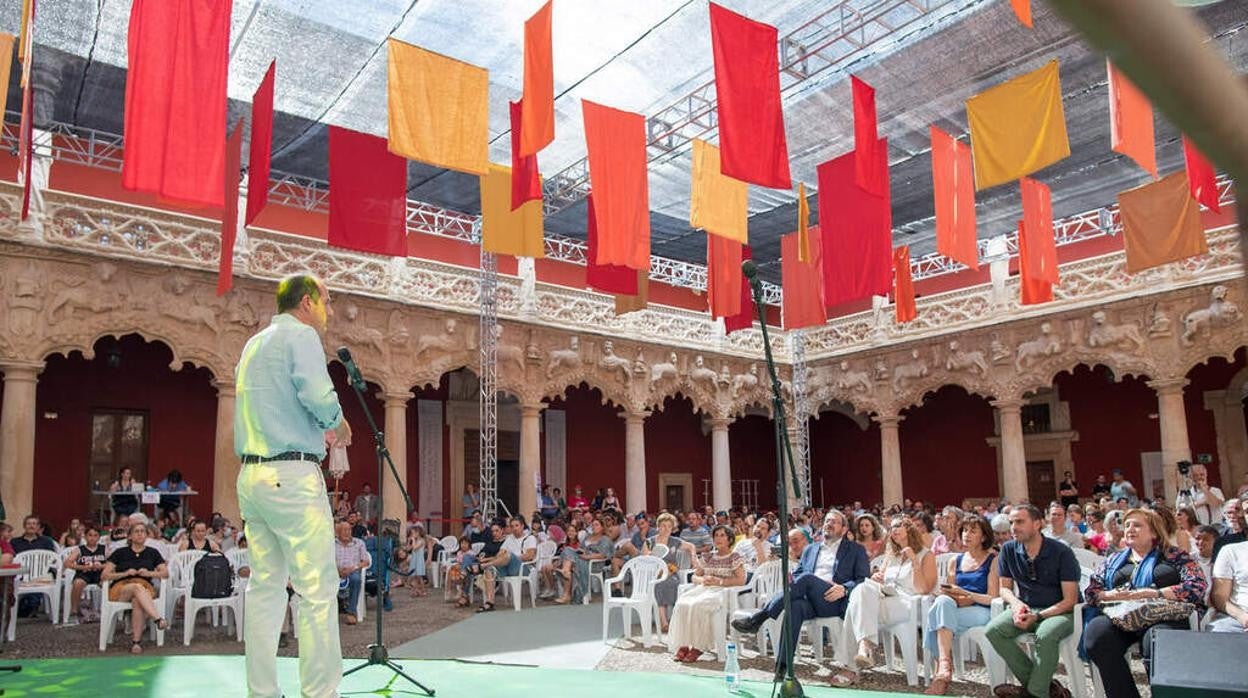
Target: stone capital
point(634, 416)
point(395, 399)
point(719, 423)
point(224, 388)
point(1012, 405)
point(531, 409)
point(1168, 386)
point(888, 421)
point(16, 371)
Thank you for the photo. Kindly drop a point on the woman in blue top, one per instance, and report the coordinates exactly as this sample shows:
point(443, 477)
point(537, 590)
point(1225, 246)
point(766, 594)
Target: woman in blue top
point(963, 604)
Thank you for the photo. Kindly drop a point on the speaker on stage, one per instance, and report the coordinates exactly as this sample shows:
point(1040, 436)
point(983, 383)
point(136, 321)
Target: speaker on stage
point(1188, 664)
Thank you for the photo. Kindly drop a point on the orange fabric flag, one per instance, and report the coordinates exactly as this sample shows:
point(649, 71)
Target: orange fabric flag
point(1018, 127)
point(1022, 10)
point(537, 123)
point(6, 65)
point(1032, 291)
point(628, 304)
point(803, 224)
point(229, 212)
point(903, 285)
point(439, 109)
point(616, 141)
point(718, 203)
point(503, 230)
point(1161, 223)
point(802, 281)
point(1041, 260)
point(1131, 121)
point(723, 276)
point(953, 188)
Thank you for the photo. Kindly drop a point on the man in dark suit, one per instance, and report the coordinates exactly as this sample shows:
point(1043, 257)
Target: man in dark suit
point(822, 581)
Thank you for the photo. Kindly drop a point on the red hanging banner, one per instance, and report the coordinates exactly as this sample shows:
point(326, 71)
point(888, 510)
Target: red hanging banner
point(723, 276)
point(607, 278)
point(229, 212)
point(616, 141)
point(802, 283)
point(745, 318)
point(1032, 291)
point(1041, 259)
point(526, 183)
point(367, 194)
point(747, 94)
point(539, 85)
point(867, 172)
point(903, 286)
point(1201, 177)
point(1131, 121)
point(856, 229)
point(176, 99)
point(259, 158)
point(953, 188)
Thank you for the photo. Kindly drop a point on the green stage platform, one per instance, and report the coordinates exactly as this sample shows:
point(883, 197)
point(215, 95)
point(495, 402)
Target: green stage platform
point(223, 677)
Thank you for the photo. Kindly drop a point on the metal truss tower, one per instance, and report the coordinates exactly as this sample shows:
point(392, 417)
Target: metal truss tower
point(488, 379)
point(801, 419)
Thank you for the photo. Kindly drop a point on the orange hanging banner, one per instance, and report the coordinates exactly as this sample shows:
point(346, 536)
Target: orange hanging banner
point(1131, 121)
point(903, 285)
point(1032, 291)
point(1022, 10)
point(802, 281)
point(1018, 127)
point(953, 189)
point(616, 141)
point(439, 111)
point(1041, 260)
point(723, 276)
point(1161, 223)
point(537, 123)
point(803, 224)
point(515, 232)
point(718, 203)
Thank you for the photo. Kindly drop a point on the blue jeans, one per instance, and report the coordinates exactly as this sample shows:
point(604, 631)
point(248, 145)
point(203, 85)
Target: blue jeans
point(946, 614)
point(355, 583)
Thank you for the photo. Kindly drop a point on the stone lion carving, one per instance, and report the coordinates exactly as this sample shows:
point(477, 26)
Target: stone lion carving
point(724, 379)
point(664, 371)
point(397, 330)
point(1000, 354)
point(1220, 313)
point(569, 358)
point(1102, 334)
point(193, 311)
point(702, 374)
point(912, 370)
point(611, 362)
point(1031, 351)
point(639, 364)
point(745, 381)
point(446, 342)
point(853, 381)
point(880, 370)
point(508, 354)
point(962, 360)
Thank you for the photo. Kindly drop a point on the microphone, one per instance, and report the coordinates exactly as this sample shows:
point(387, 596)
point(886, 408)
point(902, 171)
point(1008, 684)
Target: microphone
point(353, 371)
point(750, 269)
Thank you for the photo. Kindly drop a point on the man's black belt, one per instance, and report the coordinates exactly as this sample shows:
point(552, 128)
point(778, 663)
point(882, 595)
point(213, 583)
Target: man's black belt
point(249, 459)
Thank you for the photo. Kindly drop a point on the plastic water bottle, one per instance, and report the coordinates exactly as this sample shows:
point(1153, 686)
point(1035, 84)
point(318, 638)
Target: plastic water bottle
point(732, 670)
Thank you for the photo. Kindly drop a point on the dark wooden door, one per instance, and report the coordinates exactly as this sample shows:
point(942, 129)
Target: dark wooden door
point(1041, 488)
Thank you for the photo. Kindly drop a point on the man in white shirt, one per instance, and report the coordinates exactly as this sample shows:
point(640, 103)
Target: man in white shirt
point(1230, 589)
point(1206, 500)
point(1057, 529)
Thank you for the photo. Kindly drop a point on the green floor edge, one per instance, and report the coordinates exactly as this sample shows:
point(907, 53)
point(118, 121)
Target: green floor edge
point(223, 676)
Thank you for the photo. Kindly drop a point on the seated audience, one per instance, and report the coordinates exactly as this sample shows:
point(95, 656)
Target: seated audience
point(172, 482)
point(75, 531)
point(965, 603)
point(696, 533)
point(475, 530)
point(577, 500)
point(1113, 530)
point(597, 546)
point(1058, 530)
point(1039, 580)
point(1096, 537)
point(870, 535)
point(822, 582)
point(6, 544)
point(546, 504)
point(907, 568)
point(520, 547)
point(352, 559)
point(130, 570)
point(754, 549)
point(1205, 537)
point(459, 576)
point(1233, 527)
point(87, 561)
point(1230, 589)
point(665, 590)
point(1076, 520)
point(610, 501)
point(1149, 567)
point(559, 570)
point(933, 540)
point(382, 548)
point(949, 523)
point(691, 631)
point(125, 504)
point(198, 538)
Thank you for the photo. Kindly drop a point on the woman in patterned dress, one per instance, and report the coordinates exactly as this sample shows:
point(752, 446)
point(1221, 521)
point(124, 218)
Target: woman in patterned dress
point(692, 629)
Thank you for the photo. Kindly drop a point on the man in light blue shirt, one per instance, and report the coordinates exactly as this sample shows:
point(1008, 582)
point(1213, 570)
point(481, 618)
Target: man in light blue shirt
point(285, 403)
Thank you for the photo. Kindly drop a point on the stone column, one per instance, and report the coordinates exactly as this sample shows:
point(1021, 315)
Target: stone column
point(1013, 450)
point(530, 457)
point(635, 460)
point(225, 463)
point(890, 458)
point(721, 465)
point(1173, 422)
point(1228, 423)
point(17, 438)
point(395, 401)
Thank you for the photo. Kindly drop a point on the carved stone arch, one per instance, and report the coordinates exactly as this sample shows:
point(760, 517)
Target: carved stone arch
point(865, 403)
point(1225, 349)
point(221, 368)
point(740, 408)
point(978, 386)
point(377, 375)
point(862, 419)
point(1042, 375)
point(616, 395)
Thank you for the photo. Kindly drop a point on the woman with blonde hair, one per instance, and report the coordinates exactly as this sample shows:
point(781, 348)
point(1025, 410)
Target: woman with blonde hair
point(870, 534)
point(665, 535)
point(1148, 568)
point(907, 567)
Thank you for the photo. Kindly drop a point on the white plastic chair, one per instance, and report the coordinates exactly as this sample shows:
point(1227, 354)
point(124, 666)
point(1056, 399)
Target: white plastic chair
point(234, 602)
point(764, 585)
point(595, 576)
point(965, 646)
point(1068, 654)
point(40, 575)
point(942, 567)
point(1088, 559)
point(110, 610)
point(437, 566)
point(513, 586)
point(181, 576)
point(92, 591)
point(645, 571)
point(906, 634)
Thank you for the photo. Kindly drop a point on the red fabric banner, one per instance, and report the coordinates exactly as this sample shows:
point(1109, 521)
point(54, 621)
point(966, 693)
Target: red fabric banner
point(26, 144)
point(802, 282)
point(903, 285)
point(176, 99)
point(747, 94)
point(258, 160)
point(1041, 259)
point(856, 228)
point(616, 141)
point(723, 276)
point(367, 194)
point(953, 187)
point(539, 86)
point(867, 172)
point(526, 183)
point(607, 278)
point(745, 318)
point(229, 212)
point(1201, 177)
point(1032, 291)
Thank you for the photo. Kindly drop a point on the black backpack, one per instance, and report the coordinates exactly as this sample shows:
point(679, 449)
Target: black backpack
point(213, 577)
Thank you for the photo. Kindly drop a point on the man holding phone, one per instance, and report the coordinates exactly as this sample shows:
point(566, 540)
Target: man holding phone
point(1039, 579)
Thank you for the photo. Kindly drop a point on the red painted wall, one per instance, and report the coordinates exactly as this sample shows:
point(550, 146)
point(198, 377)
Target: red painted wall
point(675, 444)
point(1113, 421)
point(844, 460)
point(945, 457)
point(752, 450)
point(182, 409)
point(595, 442)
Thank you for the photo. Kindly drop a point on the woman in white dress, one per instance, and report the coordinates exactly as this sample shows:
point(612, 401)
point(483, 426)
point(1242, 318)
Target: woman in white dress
point(905, 568)
point(691, 631)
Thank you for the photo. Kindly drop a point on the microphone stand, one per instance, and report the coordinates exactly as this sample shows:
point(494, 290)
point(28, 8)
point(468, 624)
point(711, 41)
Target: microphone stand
point(788, 683)
point(377, 652)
